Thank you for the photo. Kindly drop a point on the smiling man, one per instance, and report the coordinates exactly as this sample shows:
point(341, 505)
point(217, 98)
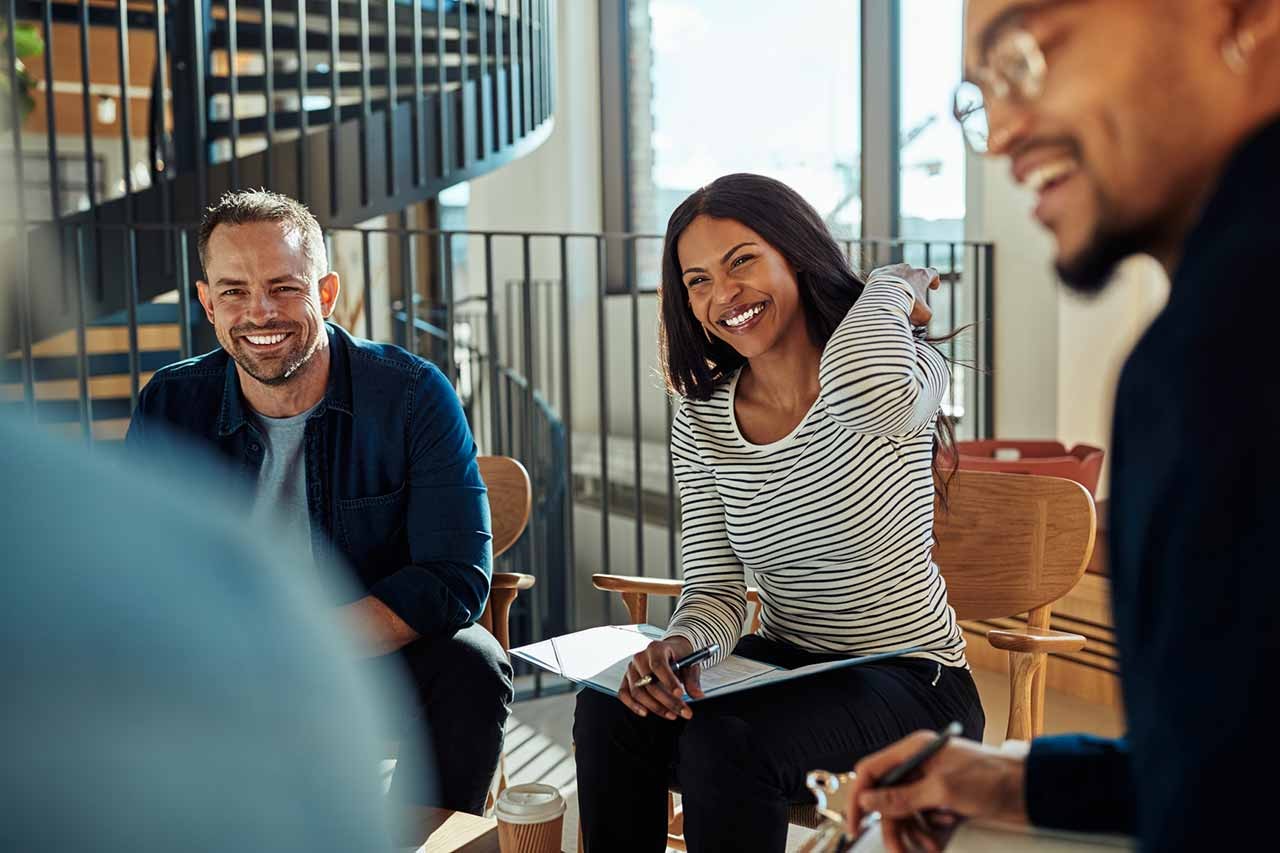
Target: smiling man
point(1150, 126)
point(355, 446)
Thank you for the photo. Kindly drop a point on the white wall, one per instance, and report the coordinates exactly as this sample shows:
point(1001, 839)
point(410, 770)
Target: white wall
point(1094, 338)
point(1025, 374)
point(1058, 355)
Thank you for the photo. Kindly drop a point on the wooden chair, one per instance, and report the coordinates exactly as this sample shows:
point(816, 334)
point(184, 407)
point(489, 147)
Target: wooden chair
point(510, 502)
point(1009, 544)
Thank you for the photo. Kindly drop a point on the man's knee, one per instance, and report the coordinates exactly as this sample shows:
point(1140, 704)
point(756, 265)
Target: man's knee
point(468, 668)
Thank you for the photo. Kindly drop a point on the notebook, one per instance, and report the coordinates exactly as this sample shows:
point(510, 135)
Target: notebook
point(598, 658)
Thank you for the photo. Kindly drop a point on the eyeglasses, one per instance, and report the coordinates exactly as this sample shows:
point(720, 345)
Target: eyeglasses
point(1014, 68)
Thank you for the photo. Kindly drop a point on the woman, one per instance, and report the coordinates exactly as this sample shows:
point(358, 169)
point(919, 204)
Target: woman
point(803, 448)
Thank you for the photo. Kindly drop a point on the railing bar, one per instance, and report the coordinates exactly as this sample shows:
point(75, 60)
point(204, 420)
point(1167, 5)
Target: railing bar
point(514, 118)
point(951, 318)
point(409, 291)
point(446, 256)
point(269, 79)
point(131, 312)
point(636, 425)
point(366, 269)
point(419, 138)
point(90, 159)
point(526, 60)
point(335, 112)
point(989, 288)
point(304, 174)
point(160, 175)
point(392, 70)
point(445, 150)
point(201, 105)
point(184, 295)
point(534, 537)
point(22, 264)
point(483, 43)
point(602, 293)
point(51, 114)
point(82, 342)
point(566, 381)
point(233, 87)
point(126, 143)
point(366, 109)
point(928, 262)
point(491, 332)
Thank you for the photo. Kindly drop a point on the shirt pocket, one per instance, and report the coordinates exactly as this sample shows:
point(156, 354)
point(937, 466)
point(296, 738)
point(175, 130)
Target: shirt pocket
point(372, 530)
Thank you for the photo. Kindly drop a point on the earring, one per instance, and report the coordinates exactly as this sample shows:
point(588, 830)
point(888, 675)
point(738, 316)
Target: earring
point(1236, 50)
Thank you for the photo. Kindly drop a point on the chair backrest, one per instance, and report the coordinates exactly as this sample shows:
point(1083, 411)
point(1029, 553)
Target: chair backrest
point(1012, 542)
point(510, 499)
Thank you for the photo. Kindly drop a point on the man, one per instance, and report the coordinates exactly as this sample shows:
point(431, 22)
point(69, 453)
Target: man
point(355, 445)
point(1151, 126)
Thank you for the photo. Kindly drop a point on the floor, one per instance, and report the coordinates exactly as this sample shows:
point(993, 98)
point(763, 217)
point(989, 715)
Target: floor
point(539, 738)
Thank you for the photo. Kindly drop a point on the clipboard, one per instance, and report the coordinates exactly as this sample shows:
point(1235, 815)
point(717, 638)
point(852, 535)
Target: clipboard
point(599, 657)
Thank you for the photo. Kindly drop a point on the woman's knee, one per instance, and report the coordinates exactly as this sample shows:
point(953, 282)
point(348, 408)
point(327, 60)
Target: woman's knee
point(721, 752)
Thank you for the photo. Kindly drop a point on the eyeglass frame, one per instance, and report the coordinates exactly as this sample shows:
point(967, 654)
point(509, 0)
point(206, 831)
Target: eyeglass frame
point(999, 83)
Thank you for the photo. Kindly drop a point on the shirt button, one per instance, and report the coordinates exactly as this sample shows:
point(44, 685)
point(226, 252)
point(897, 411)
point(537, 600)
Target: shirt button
point(255, 447)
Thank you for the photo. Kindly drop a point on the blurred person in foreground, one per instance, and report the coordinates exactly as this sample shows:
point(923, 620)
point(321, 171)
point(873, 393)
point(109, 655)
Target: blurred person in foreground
point(156, 651)
point(1149, 126)
point(359, 447)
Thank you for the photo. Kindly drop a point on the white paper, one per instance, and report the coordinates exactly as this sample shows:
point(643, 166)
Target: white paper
point(600, 657)
point(977, 837)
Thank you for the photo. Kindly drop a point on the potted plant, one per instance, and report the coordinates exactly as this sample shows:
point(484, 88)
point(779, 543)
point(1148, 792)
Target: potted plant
point(27, 45)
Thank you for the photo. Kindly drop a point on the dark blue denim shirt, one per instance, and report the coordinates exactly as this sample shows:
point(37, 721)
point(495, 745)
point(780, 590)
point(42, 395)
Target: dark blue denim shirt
point(392, 479)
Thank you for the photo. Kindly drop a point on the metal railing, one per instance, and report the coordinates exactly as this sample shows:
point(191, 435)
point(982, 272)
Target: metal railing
point(552, 366)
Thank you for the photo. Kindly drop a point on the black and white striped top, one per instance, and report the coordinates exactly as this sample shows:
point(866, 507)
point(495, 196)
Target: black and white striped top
point(834, 521)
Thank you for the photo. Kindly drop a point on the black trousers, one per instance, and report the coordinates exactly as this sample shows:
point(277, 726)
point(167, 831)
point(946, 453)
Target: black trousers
point(742, 759)
point(451, 736)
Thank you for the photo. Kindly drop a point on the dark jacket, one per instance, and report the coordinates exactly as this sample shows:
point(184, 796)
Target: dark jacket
point(1195, 501)
point(392, 480)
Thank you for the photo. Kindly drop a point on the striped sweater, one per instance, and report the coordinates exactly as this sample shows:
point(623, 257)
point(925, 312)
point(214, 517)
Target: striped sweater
point(834, 522)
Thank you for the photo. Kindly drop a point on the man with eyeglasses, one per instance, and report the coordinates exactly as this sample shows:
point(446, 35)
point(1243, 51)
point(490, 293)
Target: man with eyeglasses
point(1149, 126)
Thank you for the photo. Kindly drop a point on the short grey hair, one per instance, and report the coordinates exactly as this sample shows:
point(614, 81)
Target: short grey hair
point(247, 206)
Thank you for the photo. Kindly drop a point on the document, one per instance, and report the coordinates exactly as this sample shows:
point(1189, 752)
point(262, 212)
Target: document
point(983, 837)
point(599, 657)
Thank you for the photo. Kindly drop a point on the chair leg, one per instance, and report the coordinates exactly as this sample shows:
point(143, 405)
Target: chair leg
point(1037, 698)
point(1022, 673)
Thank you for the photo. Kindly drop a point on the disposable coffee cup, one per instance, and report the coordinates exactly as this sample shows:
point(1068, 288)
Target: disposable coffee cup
point(530, 818)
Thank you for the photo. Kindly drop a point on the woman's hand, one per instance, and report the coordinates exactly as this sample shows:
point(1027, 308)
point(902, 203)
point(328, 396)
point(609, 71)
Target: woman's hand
point(664, 695)
point(922, 280)
point(964, 778)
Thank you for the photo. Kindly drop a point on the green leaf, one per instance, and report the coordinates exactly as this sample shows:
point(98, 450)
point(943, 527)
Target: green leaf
point(28, 42)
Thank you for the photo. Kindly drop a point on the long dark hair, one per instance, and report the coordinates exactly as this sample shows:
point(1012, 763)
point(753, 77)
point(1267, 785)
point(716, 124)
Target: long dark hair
point(693, 366)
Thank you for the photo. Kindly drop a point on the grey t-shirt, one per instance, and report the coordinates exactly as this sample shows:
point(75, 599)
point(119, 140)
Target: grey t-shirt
point(282, 481)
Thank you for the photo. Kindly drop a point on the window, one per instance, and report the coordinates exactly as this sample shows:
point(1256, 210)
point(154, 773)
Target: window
point(931, 152)
point(720, 86)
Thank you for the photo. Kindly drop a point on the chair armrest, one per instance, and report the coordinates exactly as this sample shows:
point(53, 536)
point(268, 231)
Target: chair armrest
point(1035, 640)
point(645, 586)
point(511, 580)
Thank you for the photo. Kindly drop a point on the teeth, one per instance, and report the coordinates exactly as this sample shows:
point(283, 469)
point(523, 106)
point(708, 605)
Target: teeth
point(265, 340)
point(1042, 176)
point(739, 319)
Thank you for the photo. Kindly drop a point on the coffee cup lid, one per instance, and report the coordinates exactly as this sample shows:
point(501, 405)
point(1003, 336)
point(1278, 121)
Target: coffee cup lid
point(532, 802)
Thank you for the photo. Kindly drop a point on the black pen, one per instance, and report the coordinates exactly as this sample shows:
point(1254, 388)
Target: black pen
point(899, 774)
point(688, 660)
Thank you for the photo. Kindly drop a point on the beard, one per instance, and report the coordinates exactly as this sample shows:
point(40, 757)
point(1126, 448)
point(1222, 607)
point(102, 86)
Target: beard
point(1090, 270)
point(276, 369)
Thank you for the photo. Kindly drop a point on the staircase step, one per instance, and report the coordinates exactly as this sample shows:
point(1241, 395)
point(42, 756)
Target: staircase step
point(103, 340)
point(100, 387)
point(68, 367)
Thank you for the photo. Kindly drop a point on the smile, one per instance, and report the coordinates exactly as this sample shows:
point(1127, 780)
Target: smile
point(266, 340)
point(742, 316)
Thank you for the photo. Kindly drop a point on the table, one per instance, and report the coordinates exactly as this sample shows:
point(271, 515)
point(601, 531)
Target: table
point(431, 830)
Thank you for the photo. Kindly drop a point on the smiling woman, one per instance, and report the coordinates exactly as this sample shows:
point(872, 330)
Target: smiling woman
point(803, 448)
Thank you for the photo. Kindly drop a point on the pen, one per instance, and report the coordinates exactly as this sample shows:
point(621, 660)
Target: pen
point(688, 660)
point(899, 774)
